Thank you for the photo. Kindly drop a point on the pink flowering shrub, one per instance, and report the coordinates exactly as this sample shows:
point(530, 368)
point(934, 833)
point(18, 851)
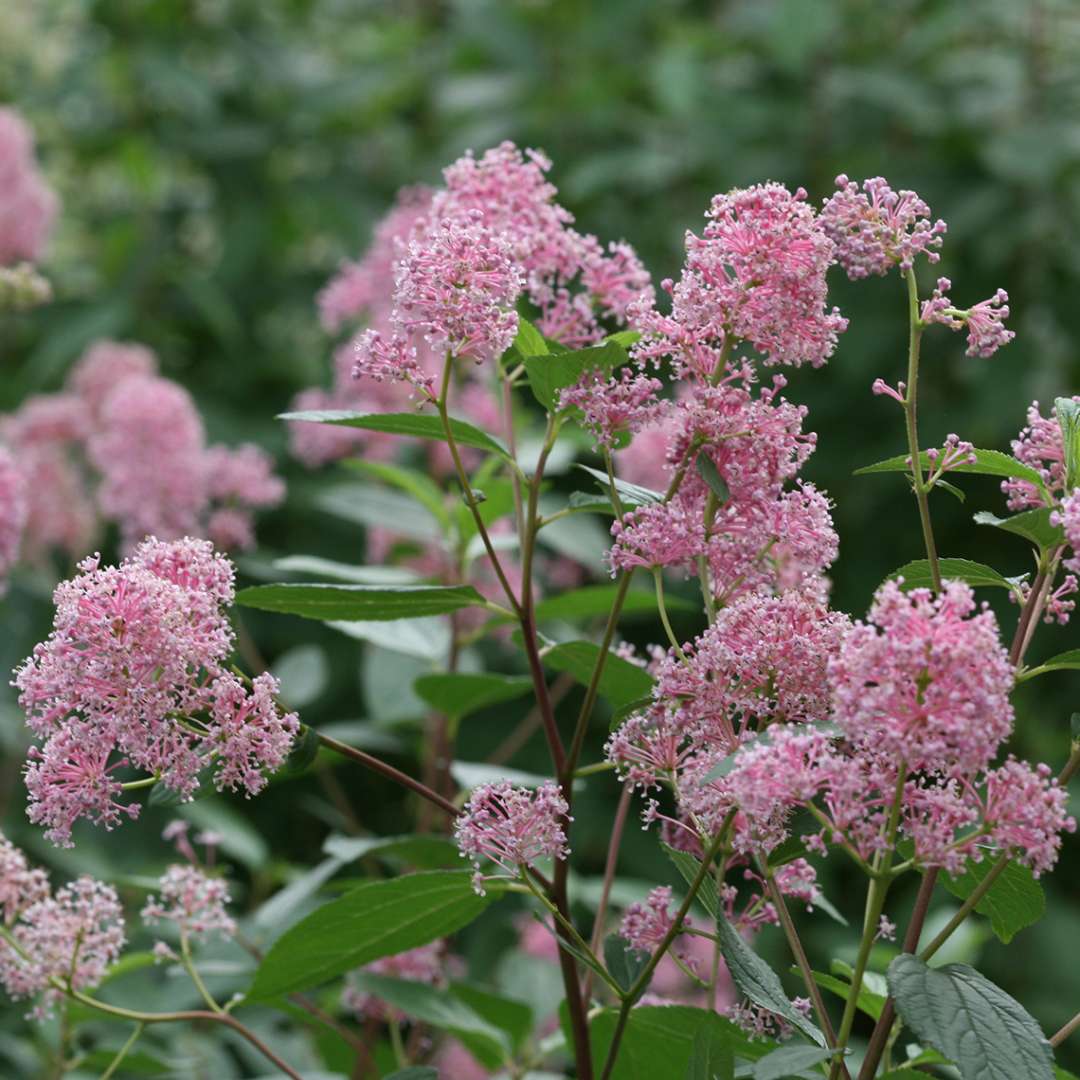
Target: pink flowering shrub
point(762, 736)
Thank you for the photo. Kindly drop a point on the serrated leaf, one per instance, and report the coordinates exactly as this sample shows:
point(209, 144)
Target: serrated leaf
point(418, 425)
point(360, 603)
point(712, 1056)
point(621, 682)
point(758, 981)
point(623, 961)
point(434, 1006)
point(553, 372)
point(458, 694)
point(1033, 525)
point(379, 918)
point(916, 574)
point(708, 472)
point(987, 463)
point(1015, 900)
point(981, 1029)
point(688, 867)
point(790, 1060)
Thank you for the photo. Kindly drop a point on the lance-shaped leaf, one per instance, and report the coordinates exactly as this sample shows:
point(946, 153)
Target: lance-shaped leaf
point(366, 603)
point(621, 682)
point(1033, 525)
point(981, 1029)
point(917, 574)
point(378, 918)
point(418, 425)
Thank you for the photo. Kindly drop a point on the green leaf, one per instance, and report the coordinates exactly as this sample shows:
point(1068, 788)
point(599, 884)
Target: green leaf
point(304, 750)
point(1015, 900)
point(358, 575)
point(421, 850)
point(708, 472)
point(916, 574)
point(790, 1060)
point(983, 1031)
point(414, 1072)
point(513, 1017)
point(373, 507)
point(623, 961)
point(1033, 525)
point(365, 603)
point(417, 484)
point(528, 341)
point(304, 674)
point(758, 981)
point(868, 1001)
point(659, 1040)
point(1065, 661)
point(592, 601)
point(621, 682)
point(419, 425)
point(379, 918)
point(1068, 417)
point(623, 711)
point(711, 1055)
point(552, 372)
point(434, 1006)
point(423, 639)
point(987, 463)
point(458, 694)
point(688, 866)
point(631, 495)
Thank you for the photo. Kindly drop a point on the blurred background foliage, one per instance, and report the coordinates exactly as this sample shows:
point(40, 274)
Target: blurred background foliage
point(217, 158)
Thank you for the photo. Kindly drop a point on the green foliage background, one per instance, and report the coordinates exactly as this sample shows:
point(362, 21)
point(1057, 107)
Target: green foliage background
point(217, 158)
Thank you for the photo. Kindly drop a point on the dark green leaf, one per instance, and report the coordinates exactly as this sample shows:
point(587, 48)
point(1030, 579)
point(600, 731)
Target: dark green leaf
point(708, 472)
point(1015, 900)
point(447, 1012)
point(513, 1017)
point(621, 681)
point(758, 981)
point(916, 574)
point(868, 1001)
point(379, 918)
point(457, 694)
point(659, 1040)
point(987, 463)
point(983, 1031)
point(711, 1055)
point(790, 1061)
point(623, 711)
point(528, 341)
point(591, 601)
point(422, 850)
point(688, 867)
point(305, 747)
point(550, 373)
point(362, 603)
point(623, 961)
point(1066, 661)
point(419, 425)
point(1033, 525)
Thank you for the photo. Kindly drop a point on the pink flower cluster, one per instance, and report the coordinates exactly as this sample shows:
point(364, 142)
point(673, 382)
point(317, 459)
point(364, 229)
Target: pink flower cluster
point(28, 205)
point(756, 277)
point(984, 322)
point(614, 406)
point(122, 443)
point(877, 228)
point(193, 901)
point(1042, 446)
point(135, 673)
point(55, 941)
point(512, 827)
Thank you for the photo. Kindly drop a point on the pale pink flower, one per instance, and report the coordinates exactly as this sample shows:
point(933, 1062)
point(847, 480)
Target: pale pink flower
point(512, 827)
point(1068, 517)
point(104, 365)
point(72, 937)
point(926, 681)
point(20, 886)
point(192, 900)
point(149, 450)
point(649, 745)
point(669, 534)
point(1041, 446)
point(645, 925)
point(614, 406)
point(391, 359)
point(886, 930)
point(238, 481)
point(984, 321)
point(28, 205)
point(877, 228)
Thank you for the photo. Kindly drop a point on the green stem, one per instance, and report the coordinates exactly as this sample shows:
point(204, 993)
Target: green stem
point(123, 1052)
point(658, 578)
point(136, 785)
point(967, 907)
point(915, 329)
point(196, 978)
